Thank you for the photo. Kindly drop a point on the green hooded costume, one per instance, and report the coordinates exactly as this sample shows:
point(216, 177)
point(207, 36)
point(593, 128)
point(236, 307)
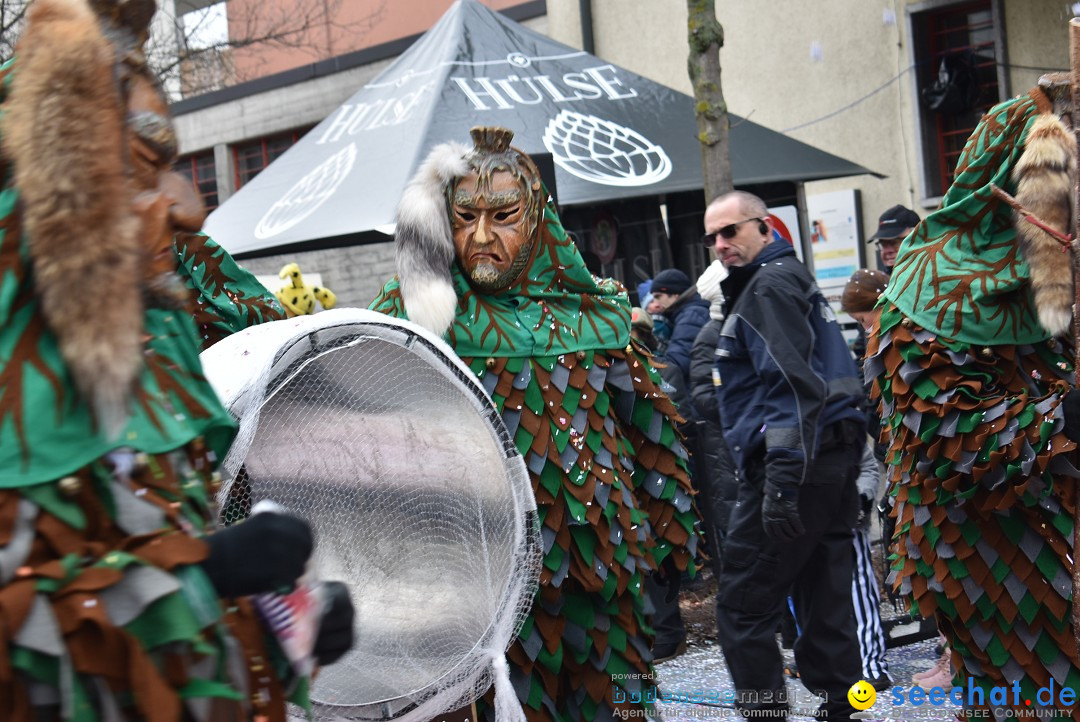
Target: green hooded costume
point(586, 411)
point(971, 384)
point(104, 609)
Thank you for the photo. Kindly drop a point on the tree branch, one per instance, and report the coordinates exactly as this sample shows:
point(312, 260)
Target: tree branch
point(181, 61)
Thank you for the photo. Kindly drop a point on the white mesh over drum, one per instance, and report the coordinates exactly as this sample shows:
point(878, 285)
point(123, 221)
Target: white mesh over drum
point(373, 431)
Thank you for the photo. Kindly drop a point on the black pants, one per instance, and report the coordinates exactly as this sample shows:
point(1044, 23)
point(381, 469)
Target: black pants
point(666, 620)
point(758, 573)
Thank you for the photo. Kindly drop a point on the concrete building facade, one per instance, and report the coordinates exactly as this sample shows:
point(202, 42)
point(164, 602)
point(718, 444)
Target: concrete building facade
point(842, 75)
point(847, 76)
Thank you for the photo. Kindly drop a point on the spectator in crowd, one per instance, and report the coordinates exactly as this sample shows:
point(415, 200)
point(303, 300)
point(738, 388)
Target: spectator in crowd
point(714, 476)
point(894, 225)
point(685, 310)
point(790, 403)
point(858, 300)
point(663, 592)
point(661, 326)
point(861, 292)
point(641, 328)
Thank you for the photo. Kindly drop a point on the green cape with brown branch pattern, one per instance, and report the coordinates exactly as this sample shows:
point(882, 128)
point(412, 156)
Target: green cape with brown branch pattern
point(960, 273)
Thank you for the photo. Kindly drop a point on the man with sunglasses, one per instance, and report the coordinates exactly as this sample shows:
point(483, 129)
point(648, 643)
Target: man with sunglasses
point(894, 225)
point(790, 405)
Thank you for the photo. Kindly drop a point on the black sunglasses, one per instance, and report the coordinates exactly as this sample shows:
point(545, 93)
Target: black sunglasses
point(727, 232)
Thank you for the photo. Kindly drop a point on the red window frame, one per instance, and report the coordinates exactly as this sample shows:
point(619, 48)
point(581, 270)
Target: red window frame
point(251, 157)
point(969, 26)
point(202, 170)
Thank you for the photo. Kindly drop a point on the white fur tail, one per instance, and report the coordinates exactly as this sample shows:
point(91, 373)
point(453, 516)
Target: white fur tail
point(424, 243)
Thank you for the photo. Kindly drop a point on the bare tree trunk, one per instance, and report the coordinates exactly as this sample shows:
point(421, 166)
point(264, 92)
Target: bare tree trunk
point(706, 37)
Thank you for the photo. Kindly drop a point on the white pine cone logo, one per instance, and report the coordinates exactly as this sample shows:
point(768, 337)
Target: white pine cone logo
point(600, 151)
point(307, 194)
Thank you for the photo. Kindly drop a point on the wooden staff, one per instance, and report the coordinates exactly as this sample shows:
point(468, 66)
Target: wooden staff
point(1074, 64)
point(1064, 240)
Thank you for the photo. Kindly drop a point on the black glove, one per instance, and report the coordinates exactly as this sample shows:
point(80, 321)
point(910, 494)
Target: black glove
point(670, 577)
point(265, 553)
point(1070, 406)
point(336, 627)
point(780, 512)
point(866, 503)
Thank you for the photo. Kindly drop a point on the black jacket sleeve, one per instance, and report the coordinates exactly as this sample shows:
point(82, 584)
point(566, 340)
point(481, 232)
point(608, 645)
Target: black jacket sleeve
point(685, 327)
point(702, 358)
point(715, 477)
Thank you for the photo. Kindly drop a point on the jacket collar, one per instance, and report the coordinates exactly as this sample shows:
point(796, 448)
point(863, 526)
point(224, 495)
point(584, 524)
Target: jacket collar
point(739, 276)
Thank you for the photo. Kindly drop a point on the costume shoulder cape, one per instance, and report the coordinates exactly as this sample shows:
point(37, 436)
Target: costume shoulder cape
point(961, 273)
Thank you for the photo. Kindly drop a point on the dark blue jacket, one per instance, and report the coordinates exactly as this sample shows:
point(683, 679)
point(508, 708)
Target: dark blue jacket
point(687, 316)
point(786, 375)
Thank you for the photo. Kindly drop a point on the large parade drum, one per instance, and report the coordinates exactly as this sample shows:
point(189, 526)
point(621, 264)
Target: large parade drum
point(372, 430)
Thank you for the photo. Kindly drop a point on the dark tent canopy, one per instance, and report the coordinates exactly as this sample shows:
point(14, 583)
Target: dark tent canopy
point(612, 135)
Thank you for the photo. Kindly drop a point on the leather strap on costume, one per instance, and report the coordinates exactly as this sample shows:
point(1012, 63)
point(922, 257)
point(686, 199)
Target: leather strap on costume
point(264, 689)
point(74, 551)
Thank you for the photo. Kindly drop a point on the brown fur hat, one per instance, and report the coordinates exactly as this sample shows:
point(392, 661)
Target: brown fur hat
point(862, 290)
point(64, 133)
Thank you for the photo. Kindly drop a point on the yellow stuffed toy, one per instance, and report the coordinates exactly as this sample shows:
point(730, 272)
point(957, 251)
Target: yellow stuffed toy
point(299, 298)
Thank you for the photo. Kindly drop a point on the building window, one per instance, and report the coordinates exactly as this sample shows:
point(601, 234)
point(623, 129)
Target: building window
point(251, 157)
point(963, 39)
point(202, 171)
point(205, 55)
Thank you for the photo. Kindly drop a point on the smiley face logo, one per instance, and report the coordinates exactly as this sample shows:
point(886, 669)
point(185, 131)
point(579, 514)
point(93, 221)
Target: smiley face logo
point(861, 695)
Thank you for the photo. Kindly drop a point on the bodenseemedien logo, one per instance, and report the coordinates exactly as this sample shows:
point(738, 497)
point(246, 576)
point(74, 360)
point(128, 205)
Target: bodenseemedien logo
point(708, 702)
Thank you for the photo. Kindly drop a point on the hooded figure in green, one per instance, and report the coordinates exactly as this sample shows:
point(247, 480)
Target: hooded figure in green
point(484, 261)
point(112, 571)
point(972, 362)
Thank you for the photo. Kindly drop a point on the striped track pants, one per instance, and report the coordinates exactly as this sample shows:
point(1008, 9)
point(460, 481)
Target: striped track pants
point(865, 598)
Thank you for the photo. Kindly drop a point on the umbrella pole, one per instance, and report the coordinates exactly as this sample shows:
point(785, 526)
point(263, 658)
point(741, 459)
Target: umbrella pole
point(1074, 58)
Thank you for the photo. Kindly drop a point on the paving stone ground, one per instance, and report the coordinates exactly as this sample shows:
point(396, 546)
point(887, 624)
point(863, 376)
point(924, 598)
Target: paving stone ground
point(702, 671)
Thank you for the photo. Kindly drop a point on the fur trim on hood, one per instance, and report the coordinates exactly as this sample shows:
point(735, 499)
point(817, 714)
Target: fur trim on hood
point(1045, 179)
point(64, 132)
point(424, 241)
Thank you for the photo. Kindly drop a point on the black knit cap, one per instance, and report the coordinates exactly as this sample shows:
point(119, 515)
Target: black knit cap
point(670, 280)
